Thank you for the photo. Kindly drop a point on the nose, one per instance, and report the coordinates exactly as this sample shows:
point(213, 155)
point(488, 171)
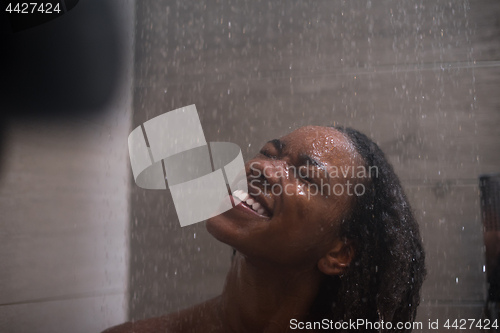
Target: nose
point(268, 171)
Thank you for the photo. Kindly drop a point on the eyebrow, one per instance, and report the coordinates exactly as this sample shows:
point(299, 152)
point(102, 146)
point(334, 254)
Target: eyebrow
point(278, 144)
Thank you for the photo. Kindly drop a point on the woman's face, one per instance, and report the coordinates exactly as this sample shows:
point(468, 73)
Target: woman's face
point(305, 185)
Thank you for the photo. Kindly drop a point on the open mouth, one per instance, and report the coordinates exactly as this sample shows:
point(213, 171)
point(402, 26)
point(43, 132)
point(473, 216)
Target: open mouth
point(248, 203)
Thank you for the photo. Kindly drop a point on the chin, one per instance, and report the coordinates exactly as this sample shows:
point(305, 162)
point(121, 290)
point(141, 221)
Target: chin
point(228, 230)
point(220, 228)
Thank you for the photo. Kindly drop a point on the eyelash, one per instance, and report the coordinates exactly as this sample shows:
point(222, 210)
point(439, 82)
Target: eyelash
point(306, 179)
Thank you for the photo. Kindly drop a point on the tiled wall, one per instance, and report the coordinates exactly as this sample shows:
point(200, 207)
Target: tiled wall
point(64, 209)
point(420, 77)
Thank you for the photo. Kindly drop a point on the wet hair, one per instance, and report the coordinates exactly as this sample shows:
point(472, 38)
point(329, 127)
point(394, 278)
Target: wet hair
point(384, 278)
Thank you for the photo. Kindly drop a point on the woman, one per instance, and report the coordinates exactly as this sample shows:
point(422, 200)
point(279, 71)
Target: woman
point(325, 238)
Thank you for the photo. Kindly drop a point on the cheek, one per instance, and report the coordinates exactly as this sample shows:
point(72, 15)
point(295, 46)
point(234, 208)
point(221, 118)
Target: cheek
point(308, 203)
point(314, 219)
point(299, 199)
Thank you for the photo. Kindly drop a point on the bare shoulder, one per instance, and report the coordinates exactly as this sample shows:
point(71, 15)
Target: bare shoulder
point(200, 318)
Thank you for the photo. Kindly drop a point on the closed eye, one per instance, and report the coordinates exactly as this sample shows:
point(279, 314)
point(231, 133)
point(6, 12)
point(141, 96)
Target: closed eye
point(307, 179)
point(306, 174)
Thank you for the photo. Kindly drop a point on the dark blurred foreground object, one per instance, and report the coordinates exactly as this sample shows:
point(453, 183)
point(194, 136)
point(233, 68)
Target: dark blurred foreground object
point(59, 64)
point(490, 210)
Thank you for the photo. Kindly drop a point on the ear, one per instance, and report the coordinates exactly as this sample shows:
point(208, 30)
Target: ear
point(336, 261)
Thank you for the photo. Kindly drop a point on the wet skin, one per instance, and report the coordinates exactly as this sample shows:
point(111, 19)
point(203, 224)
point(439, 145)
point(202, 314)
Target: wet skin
point(283, 257)
point(302, 224)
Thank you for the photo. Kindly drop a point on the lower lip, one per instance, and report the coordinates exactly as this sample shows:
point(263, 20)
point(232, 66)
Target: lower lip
point(244, 208)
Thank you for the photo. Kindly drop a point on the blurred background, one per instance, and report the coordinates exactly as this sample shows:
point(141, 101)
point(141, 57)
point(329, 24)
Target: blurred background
point(83, 248)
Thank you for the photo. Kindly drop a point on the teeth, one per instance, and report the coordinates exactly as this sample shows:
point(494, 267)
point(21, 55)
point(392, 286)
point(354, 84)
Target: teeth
point(237, 194)
point(245, 197)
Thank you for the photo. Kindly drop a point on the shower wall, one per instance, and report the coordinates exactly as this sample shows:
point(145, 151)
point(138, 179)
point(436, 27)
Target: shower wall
point(421, 78)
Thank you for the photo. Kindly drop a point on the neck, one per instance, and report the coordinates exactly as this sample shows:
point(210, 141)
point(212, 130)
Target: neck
point(258, 297)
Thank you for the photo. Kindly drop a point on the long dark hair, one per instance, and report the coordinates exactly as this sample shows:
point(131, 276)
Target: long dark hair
point(384, 279)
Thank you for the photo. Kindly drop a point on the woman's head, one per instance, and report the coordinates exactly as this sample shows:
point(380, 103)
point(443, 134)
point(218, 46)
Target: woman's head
point(298, 181)
point(329, 199)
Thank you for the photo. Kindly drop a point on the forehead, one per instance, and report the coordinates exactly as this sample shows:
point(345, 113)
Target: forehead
point(324, 143)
